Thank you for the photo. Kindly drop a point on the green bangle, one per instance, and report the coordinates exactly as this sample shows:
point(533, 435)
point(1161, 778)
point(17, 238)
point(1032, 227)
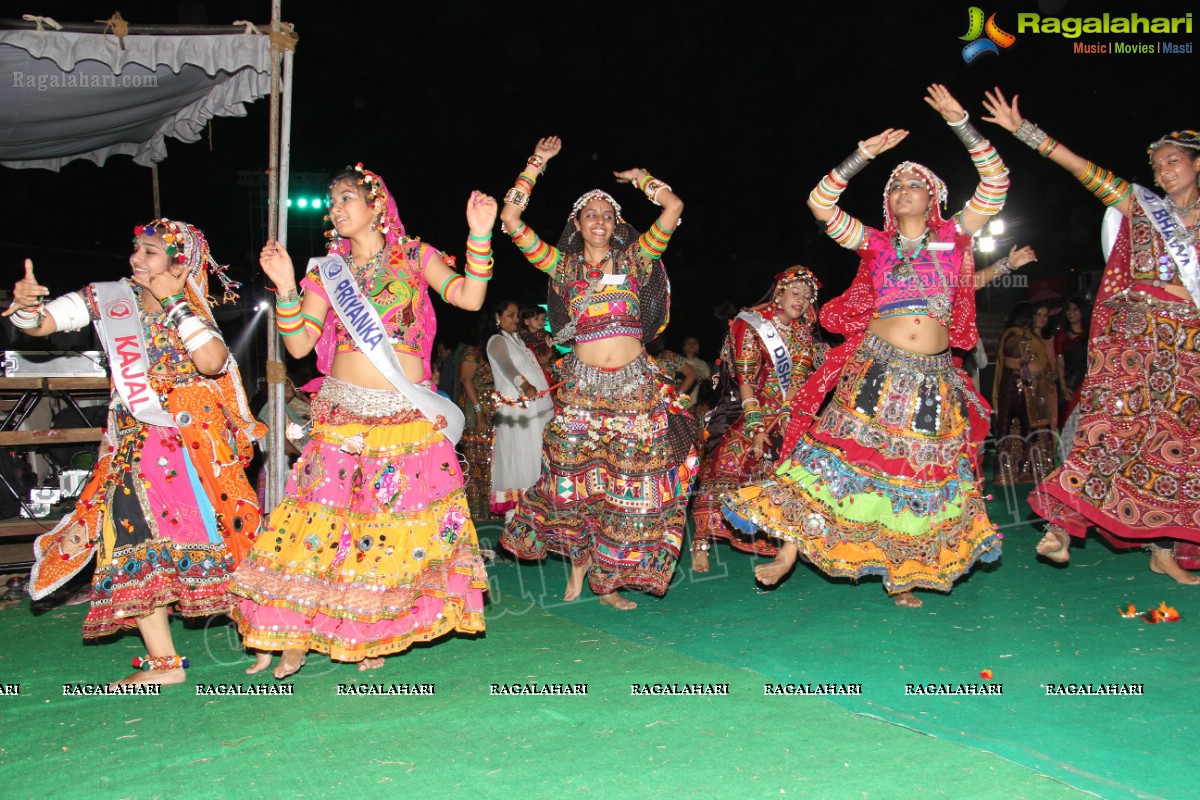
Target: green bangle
point(287, 305)
point(442, 291)
point(477, 278)
point(166, 301)
point(475, 238)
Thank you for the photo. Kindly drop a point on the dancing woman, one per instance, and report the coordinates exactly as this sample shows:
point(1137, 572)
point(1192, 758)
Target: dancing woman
point(1132, 471)
point(521, 416)
point(882, 482)
point(618, 456)
point(770, 351)
point(373, 549)
point(167, 511)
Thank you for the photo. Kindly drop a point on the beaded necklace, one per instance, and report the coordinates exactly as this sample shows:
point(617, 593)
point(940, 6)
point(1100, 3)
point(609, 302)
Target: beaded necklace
point(939, 306)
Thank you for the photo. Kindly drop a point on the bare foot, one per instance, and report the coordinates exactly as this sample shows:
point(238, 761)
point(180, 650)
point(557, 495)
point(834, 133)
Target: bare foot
point(1055, 545)
point(262, 660)
point(699, 561)
point(575, 582)
point(370, 663)
point(907, 600)
point(618, 602)
point(1162, 562)
point(160, 676)
point(291, 663)
point(773, 572)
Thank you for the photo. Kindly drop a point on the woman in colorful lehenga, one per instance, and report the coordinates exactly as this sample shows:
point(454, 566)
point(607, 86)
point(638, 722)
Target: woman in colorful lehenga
point(476, 385)
point(168, 510)
point(1132, 470)
point(1022, 397)
point(882, 483)
point(619, 455)
point(767, 355)
point(373, 549)
point(522, 413)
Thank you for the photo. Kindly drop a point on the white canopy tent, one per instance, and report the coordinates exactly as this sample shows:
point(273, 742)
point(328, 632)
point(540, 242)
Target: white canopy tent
point(89, 93)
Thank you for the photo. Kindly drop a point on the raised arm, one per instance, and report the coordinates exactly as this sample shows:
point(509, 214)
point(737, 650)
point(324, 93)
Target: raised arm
point(299, 320)
point(654, 241)
point(1108, 188)
point(992, 190)
point(543, 256)
point(468, 292)
point(822, 200)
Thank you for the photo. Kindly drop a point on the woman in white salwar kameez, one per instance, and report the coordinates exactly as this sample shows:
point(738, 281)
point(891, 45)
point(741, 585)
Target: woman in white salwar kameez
point(522, 410)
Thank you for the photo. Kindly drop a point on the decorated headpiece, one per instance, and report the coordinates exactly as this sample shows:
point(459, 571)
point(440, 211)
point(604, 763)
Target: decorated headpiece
point(791, 276)
point(186, 245)
point(570, 242)
point(380, 201)
point(1185, 139)
point(937, 192)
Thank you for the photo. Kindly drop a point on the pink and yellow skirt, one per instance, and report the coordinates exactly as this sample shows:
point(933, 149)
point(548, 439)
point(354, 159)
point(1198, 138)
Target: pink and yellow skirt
point(373, 549)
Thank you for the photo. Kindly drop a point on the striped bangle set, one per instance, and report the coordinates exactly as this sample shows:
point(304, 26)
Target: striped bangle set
point(845, 230)
point(828, 190)
point(992, 190)
point(479, 262)
point(651, 186)
point(288, 319)
point(655, 240)
point(1104, 184)
point(537, 252)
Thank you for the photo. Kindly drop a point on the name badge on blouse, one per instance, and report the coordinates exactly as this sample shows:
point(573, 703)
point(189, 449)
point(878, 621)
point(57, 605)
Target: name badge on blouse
point(612, 280)
point(940, 246)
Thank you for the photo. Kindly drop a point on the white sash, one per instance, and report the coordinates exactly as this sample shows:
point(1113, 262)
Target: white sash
point(120, 329)
point(775, 346)
point(1174, 235)
point(366, 328)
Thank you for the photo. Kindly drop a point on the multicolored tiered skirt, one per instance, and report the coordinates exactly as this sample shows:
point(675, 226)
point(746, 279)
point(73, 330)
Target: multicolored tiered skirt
point(1134, 466)
point(170, 510)
point(883, 482)
point(373, 549)
point(618, 462)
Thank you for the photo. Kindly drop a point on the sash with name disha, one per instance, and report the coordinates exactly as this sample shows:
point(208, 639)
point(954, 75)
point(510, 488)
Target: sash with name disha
point(774, 344)
point(362, 321)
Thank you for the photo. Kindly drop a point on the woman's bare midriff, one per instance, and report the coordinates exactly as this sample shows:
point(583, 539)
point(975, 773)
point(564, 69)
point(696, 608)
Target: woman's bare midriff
point(356, 368)
point(1178, 291)
point(609, 353)
point(915, 333)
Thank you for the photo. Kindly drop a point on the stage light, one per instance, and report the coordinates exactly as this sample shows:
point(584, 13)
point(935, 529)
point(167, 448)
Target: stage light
point(262, 306)
point(996, 227)
point(302, 202)
point(986, 244)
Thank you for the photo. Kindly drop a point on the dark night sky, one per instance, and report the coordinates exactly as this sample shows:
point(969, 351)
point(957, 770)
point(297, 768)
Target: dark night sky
point(740, 106)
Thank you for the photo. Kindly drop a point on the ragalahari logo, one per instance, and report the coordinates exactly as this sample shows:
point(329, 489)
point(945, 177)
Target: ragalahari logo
point(976, 28)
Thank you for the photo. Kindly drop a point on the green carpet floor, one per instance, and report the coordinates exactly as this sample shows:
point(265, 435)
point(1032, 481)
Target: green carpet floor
point(1031, 624)
point(464, 743)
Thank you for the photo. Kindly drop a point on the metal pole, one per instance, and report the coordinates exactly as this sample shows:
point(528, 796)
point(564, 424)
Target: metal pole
point(154, 183)
point(276, 417)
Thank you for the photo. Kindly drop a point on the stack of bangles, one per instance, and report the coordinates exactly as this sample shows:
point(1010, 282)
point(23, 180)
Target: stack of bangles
point(519, 194)
point(651, 186)
point(1001, 268)
point(28, 317)
point(178, 314)
point(752, 413)
point(479, 257)
point(288, 319)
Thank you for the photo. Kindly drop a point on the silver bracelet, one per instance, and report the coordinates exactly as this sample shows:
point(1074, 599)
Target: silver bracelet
point(1031, 134)
point(967, 133)
point(853, 164)
point(1001, 268)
